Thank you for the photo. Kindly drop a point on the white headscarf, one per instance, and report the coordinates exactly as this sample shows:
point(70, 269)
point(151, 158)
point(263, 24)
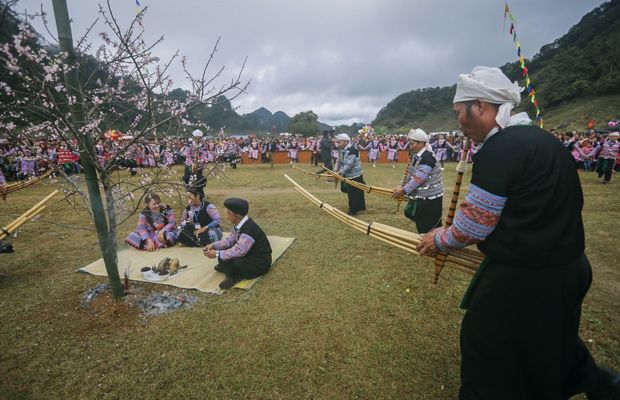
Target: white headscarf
point(420, 136)
point(343, 136)
point(492, 86)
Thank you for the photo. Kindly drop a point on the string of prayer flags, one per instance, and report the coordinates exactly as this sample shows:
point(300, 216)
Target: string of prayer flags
point(524, 70)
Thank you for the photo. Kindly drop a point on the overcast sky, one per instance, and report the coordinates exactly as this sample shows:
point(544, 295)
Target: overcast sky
point(343, 59)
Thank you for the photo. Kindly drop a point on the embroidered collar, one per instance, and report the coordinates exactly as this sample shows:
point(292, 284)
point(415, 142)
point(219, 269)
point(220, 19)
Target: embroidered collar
point(240, 224)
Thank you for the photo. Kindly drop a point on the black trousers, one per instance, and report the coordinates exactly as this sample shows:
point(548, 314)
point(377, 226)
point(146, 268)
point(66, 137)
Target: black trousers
point(427, 214)
point(605, 167)
point(519, 336)
point(245, 267)
point(357, 201)
point(326, 159)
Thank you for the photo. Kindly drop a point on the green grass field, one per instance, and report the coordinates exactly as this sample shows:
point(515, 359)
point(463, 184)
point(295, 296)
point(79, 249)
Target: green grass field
point(340, 315)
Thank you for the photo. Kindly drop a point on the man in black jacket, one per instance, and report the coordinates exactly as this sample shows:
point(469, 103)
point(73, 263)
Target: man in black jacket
point(246, 252)
point(519, 336)
point(325, 145)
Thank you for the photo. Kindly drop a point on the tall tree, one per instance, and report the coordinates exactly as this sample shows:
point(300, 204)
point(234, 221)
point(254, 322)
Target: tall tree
point(50, 96)
point(305, 123)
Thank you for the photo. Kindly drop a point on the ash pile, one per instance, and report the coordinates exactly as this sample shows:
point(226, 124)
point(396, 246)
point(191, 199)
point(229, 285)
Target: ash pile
point(162, 303)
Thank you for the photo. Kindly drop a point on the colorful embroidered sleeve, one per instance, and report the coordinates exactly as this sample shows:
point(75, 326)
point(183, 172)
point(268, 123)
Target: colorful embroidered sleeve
point(240, 249)
point(226, 243)
point(419, 176)
point(2, 179)
point(172, 221)
point(215, 216)
point(474, 222)
point(142, 228)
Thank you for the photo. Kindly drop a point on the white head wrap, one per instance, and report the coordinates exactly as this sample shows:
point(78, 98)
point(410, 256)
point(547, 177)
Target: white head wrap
point(614, 134)
point(418, 135)
point(343, 136)
point(490, 85)
point(197, 133)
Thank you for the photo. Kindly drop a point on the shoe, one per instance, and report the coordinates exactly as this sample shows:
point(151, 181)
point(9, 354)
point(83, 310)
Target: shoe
point(229, 282)
point(609, 385)
point(218, 268)
point(351, 213)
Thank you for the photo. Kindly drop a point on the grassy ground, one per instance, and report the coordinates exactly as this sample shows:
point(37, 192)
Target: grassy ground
point(340, 316)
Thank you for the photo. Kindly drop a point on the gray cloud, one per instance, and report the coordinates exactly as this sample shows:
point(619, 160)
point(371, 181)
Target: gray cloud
point(343, 59)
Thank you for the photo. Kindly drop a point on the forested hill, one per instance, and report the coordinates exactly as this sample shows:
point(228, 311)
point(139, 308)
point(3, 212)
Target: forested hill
point(577, 78)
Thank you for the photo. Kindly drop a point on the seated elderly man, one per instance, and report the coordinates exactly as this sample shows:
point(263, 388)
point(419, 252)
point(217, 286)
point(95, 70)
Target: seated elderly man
point(246, 252)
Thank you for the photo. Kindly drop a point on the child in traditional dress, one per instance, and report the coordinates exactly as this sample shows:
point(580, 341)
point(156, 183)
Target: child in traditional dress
point(373, 148)
point(253, 152)
point(157, 226)
point(292, 152)
point(200, 221)
point(393, 152)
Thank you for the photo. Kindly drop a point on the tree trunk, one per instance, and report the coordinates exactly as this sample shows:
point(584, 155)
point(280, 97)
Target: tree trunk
point(87, 150)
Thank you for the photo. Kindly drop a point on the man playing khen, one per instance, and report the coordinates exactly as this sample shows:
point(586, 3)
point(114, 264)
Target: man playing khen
point(519, 336)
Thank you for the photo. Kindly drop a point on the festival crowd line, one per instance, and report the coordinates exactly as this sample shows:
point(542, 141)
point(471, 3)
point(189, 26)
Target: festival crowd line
point(592, 151)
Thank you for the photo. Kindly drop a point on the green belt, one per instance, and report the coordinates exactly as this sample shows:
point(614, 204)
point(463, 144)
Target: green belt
point(473, 285)
point(410, 210)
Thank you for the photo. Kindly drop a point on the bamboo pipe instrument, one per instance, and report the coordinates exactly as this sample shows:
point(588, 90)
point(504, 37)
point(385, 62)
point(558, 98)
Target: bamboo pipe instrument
point(24, 217)
point(36, 209)
point(385, 192)
point(398, 238)
point(11, 187)
point(405, 237)
point(439, 260)
point(322, 175)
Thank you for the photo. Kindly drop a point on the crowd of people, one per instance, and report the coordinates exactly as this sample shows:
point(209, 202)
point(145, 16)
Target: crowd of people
point(592, 151)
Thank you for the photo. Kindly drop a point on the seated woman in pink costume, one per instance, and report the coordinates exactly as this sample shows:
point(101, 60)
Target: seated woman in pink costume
point(157, 226)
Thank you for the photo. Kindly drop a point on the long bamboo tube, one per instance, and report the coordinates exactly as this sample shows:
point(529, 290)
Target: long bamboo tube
point(24, 217)
point(396, 237)
point(439, 261)
point(399, 236)
point(366, 188)
point(36, 209)
point(12, 187)
point(463, 267)
point(322, 175)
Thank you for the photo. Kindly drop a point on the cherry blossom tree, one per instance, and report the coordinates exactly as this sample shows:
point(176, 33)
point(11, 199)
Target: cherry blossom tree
point(77, 93)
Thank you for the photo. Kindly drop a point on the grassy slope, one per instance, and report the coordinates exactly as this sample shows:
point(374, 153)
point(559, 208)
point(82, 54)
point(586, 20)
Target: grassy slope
point(333, 319)
point(574, 115)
